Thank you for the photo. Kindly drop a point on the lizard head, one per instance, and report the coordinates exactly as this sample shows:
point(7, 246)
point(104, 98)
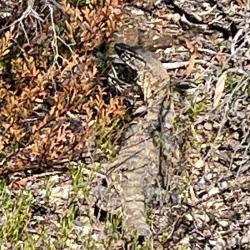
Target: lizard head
point(150, 71)
point(131, 56)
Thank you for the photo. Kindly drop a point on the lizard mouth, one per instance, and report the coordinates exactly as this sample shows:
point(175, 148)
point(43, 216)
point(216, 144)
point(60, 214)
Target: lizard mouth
point(120, 48)
point(125, 52)
point(129, 55)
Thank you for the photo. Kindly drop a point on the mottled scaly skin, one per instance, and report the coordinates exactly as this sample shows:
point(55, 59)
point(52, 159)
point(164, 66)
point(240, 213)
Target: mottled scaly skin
point(139, 157)
point(152, 78)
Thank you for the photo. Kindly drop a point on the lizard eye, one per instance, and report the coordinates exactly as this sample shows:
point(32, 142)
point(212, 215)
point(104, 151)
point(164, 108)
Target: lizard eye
point(129, 55)
point(124, 51)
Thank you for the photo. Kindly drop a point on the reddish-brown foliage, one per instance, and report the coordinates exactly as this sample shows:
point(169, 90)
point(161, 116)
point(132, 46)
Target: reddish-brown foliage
point(50, 98)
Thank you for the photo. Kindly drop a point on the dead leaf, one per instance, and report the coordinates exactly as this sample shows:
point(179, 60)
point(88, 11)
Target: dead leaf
point(192, 195)
point(21, 183)
point(191, 64)
point(241, 3)
point(219, 89)
point(189, 45)
point(220, 57)
point(193, 48)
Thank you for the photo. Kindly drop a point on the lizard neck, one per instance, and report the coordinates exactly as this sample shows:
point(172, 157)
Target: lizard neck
point(157, 101)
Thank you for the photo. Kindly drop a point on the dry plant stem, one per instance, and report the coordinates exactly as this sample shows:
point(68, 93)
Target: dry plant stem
point(28, 12)
point(225, 113)
point(55, 42)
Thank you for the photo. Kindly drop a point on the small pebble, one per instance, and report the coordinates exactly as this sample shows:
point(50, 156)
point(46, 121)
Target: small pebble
point(209, 176)
point(241, 115)
point(189, 217)
point(246, 238)
point(137, 12)
point(202, 217)
point(176, 17)
point(212, 242)
point(220, 244)
point(208, 126)
point(213, 191)
point(199, 164)
point(236, 135)
point(224, 185)
point(224, 223)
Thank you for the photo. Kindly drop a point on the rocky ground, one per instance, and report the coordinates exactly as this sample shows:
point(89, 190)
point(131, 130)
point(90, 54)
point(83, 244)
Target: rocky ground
point(204, 45)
